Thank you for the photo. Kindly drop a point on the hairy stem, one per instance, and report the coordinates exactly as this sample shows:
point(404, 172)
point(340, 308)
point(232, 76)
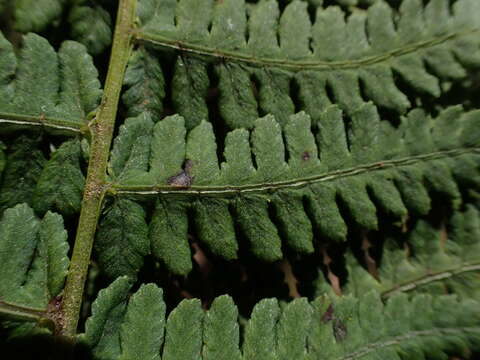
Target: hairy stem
point(102, 130)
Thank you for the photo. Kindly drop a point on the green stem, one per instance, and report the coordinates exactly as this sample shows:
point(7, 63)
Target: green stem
point(234, 190)
point(430, 278)
point(63, 126)
point(102, 130)
point(239, 56)
point(15, 312)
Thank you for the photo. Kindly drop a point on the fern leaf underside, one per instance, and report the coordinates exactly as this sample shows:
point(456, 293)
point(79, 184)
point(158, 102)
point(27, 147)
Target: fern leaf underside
point(331, 328)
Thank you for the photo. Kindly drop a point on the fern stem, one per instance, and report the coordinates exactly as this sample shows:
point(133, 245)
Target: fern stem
point(102, 130)
point(432, 277)
point(238, 56)
point(15, 312)
point(68, 127)
point(232, 190)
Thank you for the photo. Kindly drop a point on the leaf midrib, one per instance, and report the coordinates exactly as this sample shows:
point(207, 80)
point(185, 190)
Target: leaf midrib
point(21, 312)
point(397, 340)
point(44, 121)
point(236, 56)
point(432, 277)
point(118, 189)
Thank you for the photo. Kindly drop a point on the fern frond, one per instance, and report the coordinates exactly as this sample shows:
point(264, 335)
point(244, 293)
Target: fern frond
point(90, 23)
point(370, 166)
point(331, 327)
point(43, 88)
point(24, 165)
point(260, 331)
point(145, 315)
point(35, 15)
point(296, 65)
point(122, 239)
point(60, 185)
point(426, 262)
point(146, 84)
point(108, 312)
point(221, 334)
point(33, 261)
point(45, 184)
point(91, 26)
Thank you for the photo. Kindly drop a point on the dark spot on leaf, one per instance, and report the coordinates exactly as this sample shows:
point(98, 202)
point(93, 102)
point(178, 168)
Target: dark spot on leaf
point(183, 178)
point(305, 156)
point(339, 330)
point(328, 315)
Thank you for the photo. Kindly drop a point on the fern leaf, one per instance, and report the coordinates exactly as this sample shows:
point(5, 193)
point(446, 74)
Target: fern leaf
point(54, 235)
point(108, 313)
point(221, 334)
point(368, 167)
point(168, 150)
point(189, 90)
point(210, 221)
point(285, 51)
point(143, 327)
point(168, 236)
point(33, 258)
point(252, 216)
point(24, 166)
point(183, 339)
point(32, 15)
point(261, 331)
point(293, 330)
point(146, 84)
point(425, 262)
point(44, 88)
point(201, 151)
point(60, 185)
point(91, 26)
point(131, 148)
point(122, 240)
point(328, 328)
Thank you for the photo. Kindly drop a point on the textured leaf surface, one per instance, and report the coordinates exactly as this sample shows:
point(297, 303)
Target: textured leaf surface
point(60, 185)
point(295, 88)
point(23, 169)
point(293, 329)
point(427, 262)
point(34, 15)
point(327, 328)
point(55, 236)
point(91, 26)
point(145, 81)
point(303, 180)
point(90, 23)
point(295, 63)
point(41, 87)
point(221, 335)
point(261, 331)
point(33, 257)
point(122, 239)
point(131, 148)
point(102, 329)
point(168, 236)
point(144, 325)
point(183, 339)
